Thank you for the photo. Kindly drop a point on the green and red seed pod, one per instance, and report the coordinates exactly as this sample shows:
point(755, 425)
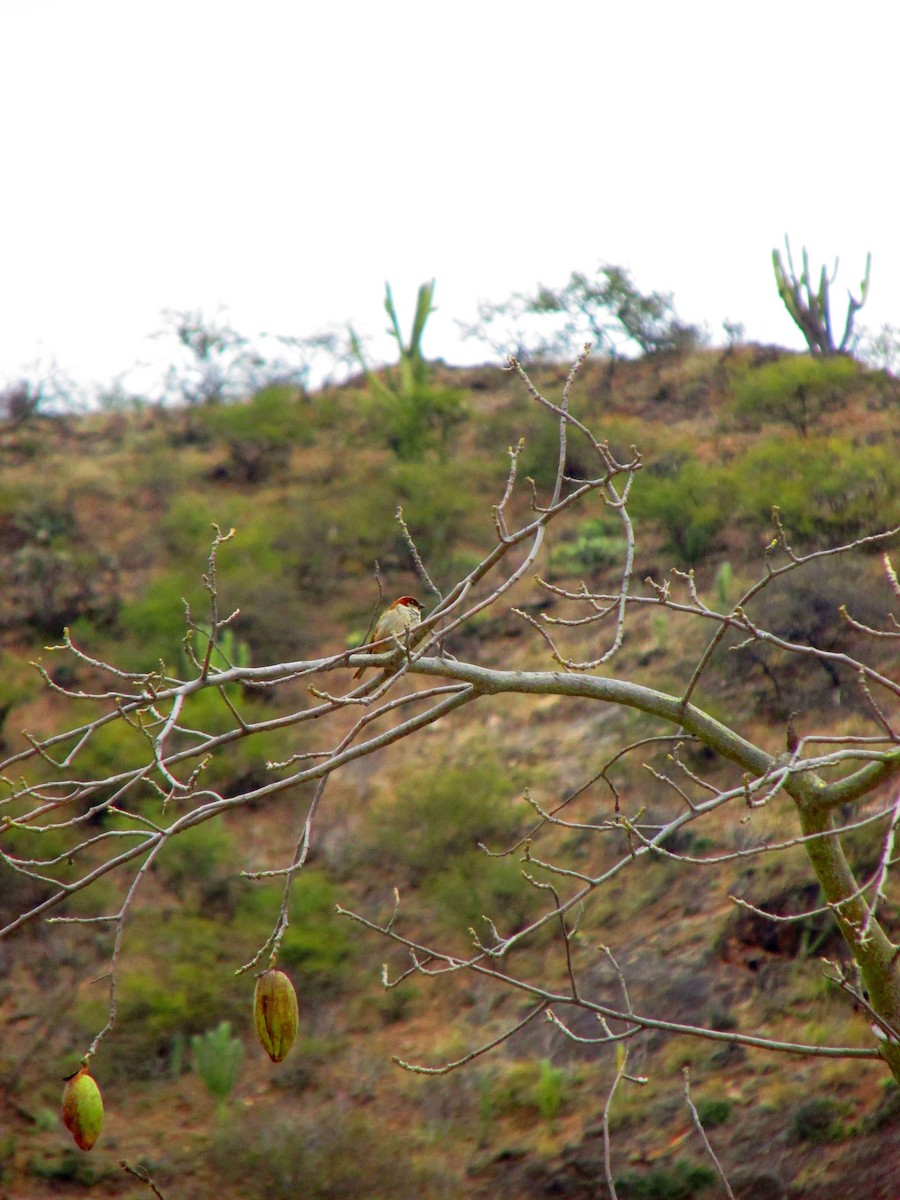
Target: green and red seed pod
point(83, 1108)
point(275, 1013)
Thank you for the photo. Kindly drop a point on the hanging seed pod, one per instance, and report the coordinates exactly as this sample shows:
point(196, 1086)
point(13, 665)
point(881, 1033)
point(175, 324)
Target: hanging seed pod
point(83, 1108)
point(275, 1013)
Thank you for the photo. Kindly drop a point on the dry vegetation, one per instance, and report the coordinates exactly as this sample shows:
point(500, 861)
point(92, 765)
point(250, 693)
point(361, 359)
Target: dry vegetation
point(104, 525)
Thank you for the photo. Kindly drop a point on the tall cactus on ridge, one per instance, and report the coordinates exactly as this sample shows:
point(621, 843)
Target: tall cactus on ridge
point(811, 310)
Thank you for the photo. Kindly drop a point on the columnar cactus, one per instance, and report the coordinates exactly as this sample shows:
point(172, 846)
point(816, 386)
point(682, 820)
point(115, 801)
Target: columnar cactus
point(811, 311)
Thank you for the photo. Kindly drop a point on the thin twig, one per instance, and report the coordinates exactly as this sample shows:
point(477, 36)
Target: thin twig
point(699, 1126)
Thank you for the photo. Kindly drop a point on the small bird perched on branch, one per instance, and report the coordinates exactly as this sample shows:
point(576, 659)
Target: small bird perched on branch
point(403, 614)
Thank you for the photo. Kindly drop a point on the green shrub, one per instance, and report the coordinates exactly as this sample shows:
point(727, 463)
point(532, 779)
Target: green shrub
point(359, 523)
point(178, 977)
point(49, 586)
point(66, 1167)
point(827, 488)
point(797, 390)
point(187, 524)
point(8, 1147)
point(539, 455)
point(200, 864)
point(316, 948)
point(259, 434)
point(154, 620)
point(177, 980)
point(473, 887)
point(311, 554)
point(18, 683)
point(270, 570)
point(394, 1003)
point(817, 1120)
point(691, 503)
point(428, 836)
point(18, 893)
point(44, 519)
point(31, 841)
point(112, 749)
point(442, 813)
point(713, 1112)
point(173, 997)
point(683, 1181)
point(623, 434)
point(437, 506)
point(310, 1058)
point(597, 543)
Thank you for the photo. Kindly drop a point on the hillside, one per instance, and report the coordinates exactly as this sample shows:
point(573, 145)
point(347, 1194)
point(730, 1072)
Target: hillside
point(105, 525)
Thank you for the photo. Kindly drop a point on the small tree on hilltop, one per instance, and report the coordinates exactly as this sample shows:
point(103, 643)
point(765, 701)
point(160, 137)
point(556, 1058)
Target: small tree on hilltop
point(608, 308)
point(217, 364)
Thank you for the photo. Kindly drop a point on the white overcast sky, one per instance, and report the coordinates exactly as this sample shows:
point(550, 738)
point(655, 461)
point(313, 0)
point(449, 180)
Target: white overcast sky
point(283, 159)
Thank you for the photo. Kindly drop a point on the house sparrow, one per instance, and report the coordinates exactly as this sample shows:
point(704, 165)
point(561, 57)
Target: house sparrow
point(393, 622)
